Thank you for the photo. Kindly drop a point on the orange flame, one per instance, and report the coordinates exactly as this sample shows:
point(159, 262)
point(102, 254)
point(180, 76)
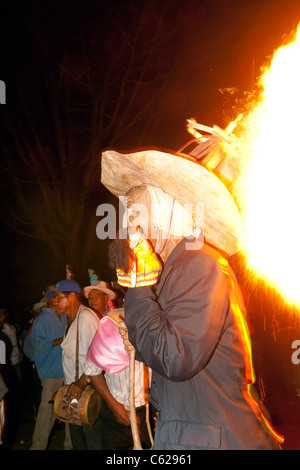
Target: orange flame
point(269, 191)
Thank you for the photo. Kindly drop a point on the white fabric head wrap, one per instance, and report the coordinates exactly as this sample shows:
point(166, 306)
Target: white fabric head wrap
point(167, 216)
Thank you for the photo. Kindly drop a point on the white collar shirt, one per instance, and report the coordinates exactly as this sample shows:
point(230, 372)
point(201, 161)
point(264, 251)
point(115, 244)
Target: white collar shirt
point(87, 321)
point(118, 384)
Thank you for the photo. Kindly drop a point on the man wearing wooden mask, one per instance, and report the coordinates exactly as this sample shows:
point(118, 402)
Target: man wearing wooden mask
point(190, 329)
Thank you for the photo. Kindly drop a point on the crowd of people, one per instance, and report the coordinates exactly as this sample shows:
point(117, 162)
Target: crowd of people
point(196, 367)
point(63, 325)
point(185, 322)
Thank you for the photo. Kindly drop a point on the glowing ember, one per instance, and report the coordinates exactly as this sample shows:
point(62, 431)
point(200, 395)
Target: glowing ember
point(270, 192)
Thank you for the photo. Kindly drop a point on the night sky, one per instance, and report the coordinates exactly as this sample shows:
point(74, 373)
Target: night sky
point(205, 46)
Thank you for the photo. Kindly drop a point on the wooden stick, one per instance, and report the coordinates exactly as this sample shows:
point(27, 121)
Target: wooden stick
point(215, 130)
point(132, 414)
point(148, 425)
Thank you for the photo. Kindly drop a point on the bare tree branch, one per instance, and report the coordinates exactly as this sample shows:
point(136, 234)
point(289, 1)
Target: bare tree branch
point(87, 91)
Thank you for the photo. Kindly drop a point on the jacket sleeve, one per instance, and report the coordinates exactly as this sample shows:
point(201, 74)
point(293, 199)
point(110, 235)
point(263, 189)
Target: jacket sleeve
point(178, 336)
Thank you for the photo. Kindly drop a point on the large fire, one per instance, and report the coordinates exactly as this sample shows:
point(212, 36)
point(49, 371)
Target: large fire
point(269, 193)
point(266, 141)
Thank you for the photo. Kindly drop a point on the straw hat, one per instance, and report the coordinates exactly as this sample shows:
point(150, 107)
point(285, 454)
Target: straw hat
point(183, 179)
point(101, 286)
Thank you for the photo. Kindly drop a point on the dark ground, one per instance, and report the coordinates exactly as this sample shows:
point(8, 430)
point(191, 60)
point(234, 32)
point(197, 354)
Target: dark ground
point(285, 415)
point(277, 379)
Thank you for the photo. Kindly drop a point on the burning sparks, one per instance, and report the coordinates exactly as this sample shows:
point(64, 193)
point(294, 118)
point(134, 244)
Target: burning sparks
point(263, 146)
point(269, 192)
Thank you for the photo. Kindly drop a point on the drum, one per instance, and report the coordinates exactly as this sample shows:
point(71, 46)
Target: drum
point(85, 411)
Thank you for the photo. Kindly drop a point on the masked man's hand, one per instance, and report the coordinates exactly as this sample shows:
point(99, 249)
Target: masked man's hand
point(145, 268)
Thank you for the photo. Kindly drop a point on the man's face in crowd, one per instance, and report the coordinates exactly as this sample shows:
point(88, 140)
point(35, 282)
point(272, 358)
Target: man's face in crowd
point(62, 302)
point(97, 300)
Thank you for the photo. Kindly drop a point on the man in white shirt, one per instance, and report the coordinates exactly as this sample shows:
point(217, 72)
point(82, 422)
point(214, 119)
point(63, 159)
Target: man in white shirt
point(108, 367)
point(85, 321)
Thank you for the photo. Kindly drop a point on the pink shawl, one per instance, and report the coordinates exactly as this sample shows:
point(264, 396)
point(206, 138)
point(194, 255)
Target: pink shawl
point(107, 349)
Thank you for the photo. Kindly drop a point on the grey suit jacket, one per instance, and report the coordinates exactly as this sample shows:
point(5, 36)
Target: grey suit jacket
point(190, 336)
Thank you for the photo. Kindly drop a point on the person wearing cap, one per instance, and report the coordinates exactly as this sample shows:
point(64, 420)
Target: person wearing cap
point(84, 321)
point(46, 337)
point(189, 329)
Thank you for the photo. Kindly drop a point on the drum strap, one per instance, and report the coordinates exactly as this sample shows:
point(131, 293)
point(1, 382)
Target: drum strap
point(77, 351)
point(77, 345)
